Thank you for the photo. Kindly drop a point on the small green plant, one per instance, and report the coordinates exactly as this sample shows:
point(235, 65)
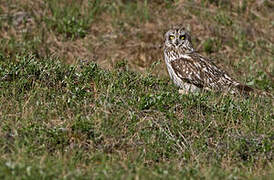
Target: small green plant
point(218, 3)
point(136, 10)
point(69, 19)
point(263, 82)
point(209, 46)
point(212, 45)
point(223, 19)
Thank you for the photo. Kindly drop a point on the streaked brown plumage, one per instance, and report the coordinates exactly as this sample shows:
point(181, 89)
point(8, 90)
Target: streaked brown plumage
point(191, 71)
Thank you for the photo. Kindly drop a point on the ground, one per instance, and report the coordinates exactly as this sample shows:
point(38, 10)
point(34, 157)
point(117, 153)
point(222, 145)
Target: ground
point(84, 92)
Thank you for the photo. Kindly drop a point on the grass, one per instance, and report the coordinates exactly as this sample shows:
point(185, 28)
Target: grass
point(69, 20)
point(84, 93)
point(82, 120)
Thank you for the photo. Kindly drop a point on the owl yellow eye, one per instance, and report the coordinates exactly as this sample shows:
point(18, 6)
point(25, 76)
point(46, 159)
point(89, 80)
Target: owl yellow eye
point(171, 37)
point(182, 37)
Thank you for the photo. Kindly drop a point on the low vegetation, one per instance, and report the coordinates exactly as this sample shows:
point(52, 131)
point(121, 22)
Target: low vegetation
point(84, 92)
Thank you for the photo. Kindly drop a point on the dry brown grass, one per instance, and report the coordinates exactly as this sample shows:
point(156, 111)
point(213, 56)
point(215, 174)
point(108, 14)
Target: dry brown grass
point(119, 34)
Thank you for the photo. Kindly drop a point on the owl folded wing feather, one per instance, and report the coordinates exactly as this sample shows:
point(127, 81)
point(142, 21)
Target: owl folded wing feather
point(202, 73)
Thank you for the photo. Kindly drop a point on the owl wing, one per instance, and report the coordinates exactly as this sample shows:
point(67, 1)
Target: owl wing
point(202, 73)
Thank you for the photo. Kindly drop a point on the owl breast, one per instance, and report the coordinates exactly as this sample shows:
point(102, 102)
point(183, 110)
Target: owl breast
point(171, 56)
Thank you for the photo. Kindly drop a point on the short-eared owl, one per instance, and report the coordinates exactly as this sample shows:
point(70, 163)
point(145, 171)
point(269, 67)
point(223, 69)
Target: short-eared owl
point(191, 71)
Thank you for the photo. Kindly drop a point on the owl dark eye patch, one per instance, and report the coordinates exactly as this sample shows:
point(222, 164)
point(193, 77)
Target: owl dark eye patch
point(171, 37)
point(182, 37)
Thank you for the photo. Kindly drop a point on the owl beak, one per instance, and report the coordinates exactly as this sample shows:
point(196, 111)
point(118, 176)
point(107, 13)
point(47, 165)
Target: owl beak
point(176, 42)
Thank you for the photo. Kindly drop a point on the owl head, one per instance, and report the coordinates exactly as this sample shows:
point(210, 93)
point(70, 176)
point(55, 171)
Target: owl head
point(178, 37)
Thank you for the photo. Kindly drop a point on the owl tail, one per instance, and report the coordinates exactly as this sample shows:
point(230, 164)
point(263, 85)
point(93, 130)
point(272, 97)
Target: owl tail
point(244, 88)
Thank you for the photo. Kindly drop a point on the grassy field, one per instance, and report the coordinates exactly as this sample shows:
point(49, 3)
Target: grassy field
point(84, 92)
